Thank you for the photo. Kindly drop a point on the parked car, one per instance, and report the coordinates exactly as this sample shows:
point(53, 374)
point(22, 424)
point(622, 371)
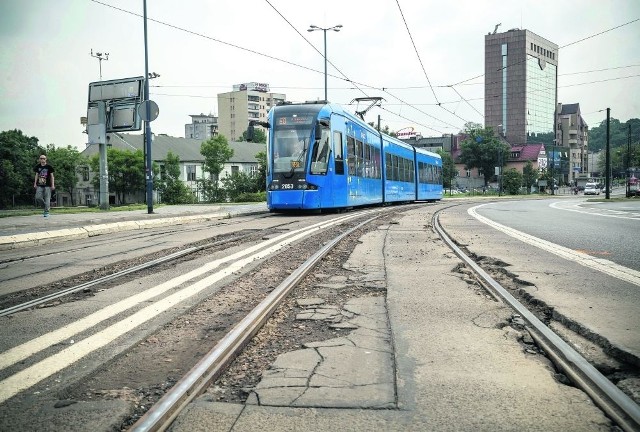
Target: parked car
point(591, 189)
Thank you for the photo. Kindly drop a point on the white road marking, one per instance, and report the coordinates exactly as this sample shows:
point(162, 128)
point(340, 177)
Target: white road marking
point(604, 266)
point(45, 368)
point(575, 207)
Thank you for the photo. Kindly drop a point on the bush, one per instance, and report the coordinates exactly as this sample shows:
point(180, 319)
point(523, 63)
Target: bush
point(251, 197)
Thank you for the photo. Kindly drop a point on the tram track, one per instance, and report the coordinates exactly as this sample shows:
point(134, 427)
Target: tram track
point(179, 392)
point(89, 281)
point(613, 401)
point(162, 414)
point(291, 236)
point(119, 274)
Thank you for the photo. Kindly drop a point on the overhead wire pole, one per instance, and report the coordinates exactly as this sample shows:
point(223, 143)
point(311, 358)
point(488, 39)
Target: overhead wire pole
point(607, 170)
point(335, 28)
point(147, 122)
point(103, 198)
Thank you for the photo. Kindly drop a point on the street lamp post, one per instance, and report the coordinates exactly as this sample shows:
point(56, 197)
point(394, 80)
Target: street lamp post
point(336, 29)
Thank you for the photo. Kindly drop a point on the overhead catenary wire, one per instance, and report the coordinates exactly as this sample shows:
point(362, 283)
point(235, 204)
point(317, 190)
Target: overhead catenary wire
point(359, 86)
point(238, 47)
point(423, 68)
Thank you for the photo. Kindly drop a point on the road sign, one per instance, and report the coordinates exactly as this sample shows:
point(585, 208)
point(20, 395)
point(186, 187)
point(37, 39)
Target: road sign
point(153, 111)
point(121, 98)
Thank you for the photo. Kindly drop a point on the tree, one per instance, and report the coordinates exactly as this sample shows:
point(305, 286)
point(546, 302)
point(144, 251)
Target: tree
point(260, 179)
point(259, 136)
point(126, 172)
point(216, 152)
point(448, 168)
point(621, 158)
point(173, 190)
point(529, 176)
point(18, 155)
point(618, 134)
point(471, 126)
point(512, 181)
point(482, 149)
point(237, 184)
point(65, 161)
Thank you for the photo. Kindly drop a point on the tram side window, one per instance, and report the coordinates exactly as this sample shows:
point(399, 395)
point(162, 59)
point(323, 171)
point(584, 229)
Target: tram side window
point(395, 175)
point(339, 158)
point(387, 166)
point(359, 159)
point(366, 172)
point(376, 162)
point(351, 155)
point(412, 171)
point(422, 178)
point(320, 153)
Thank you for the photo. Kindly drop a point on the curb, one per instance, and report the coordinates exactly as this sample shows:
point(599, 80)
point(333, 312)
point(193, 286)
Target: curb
point(34, 239)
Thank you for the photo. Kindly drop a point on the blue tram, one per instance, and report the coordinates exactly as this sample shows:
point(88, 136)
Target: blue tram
point(321, 157)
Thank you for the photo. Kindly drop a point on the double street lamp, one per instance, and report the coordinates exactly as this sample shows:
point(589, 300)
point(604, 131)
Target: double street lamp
point(336, 29)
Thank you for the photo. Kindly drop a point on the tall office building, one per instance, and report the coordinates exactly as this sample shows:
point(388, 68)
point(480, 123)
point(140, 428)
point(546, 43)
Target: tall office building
point(248, 101)
point(520, 90)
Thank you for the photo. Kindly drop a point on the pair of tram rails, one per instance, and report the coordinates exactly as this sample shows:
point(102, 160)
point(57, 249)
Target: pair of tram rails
point(321, 157)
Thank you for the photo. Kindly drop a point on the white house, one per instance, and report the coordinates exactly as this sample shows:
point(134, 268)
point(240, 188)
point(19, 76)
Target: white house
point(191, 162)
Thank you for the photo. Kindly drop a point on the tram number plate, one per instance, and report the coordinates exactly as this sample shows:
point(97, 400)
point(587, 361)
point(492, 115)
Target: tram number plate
point(287, 186)
point(295, 164)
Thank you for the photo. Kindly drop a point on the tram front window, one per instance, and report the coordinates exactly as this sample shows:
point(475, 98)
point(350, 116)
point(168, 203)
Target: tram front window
point(290, 147)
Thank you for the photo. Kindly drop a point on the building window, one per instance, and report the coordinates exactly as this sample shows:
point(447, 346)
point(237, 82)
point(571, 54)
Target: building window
point(235, 169)
point(191, 172)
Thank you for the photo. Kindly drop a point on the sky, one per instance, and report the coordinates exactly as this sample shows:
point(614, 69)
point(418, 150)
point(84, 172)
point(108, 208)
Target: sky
point(413, 54)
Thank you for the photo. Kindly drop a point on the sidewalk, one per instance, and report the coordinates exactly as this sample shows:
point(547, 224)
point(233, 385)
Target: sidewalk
point(23, 231)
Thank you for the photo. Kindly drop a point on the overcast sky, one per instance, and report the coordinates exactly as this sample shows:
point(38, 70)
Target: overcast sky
point(202, 48)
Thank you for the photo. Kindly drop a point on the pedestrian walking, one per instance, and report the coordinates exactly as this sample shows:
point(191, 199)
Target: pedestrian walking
point(44, 182)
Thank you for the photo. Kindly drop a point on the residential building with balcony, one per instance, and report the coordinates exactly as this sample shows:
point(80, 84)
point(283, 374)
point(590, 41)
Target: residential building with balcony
point(247, 101)
point(202, 127)
point(572, 137)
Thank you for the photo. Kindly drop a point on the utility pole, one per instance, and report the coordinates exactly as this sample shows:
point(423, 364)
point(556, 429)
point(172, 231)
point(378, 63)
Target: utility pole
point(628, 165)
point(102, 145)
point(607, 170)
point(147, 123)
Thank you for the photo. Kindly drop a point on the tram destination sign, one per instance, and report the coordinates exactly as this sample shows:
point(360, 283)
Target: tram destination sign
point(295, 119)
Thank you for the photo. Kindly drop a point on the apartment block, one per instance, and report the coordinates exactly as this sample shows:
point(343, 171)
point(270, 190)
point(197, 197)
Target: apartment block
point(247, 101)
point(572, 137)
